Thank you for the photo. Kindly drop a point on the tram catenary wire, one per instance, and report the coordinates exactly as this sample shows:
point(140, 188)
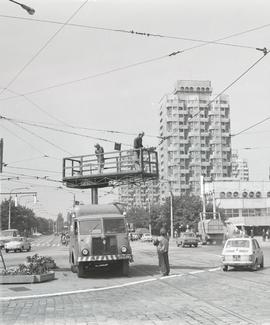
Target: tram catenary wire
point(42, 48)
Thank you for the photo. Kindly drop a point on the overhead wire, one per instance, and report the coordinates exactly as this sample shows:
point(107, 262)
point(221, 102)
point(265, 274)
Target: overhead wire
point(39, 107)
point(16, 121)
point(42, 48)
point(29, 144)
point(23, 160)
point(34, 169)
point(42, 178)
point(234, 81)
point(62, 84)
point(251, 126)
point(38, 136)
point(134, 32)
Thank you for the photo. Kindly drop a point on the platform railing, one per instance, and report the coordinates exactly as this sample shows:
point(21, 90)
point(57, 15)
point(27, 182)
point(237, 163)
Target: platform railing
point(120, 162)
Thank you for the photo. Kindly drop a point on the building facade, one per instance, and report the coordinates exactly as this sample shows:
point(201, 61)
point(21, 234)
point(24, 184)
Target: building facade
point(139, 195)
point(240, 168)
point(197, 142)
point(245, 203)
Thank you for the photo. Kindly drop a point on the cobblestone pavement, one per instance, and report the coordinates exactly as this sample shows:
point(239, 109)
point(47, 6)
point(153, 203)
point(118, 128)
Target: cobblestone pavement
point(192, 295)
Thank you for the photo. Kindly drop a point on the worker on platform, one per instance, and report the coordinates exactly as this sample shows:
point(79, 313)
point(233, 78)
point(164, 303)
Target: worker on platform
point(100, 157)
point(138, 145)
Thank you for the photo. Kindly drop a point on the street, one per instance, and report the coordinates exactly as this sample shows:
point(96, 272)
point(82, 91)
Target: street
point(196, 292)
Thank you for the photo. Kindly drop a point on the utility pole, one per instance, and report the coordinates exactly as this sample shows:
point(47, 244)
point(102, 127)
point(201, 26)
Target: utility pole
point(10, 197)
point(171, 212)
point(203, 197)
point(1, 154)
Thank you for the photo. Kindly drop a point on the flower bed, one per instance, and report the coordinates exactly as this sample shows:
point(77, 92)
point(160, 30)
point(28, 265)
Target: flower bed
point(36, 269)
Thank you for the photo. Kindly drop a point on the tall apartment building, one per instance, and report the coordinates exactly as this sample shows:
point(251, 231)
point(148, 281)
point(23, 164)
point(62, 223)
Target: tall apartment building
point(197, 141)
point(139, 195)
point(240, 168)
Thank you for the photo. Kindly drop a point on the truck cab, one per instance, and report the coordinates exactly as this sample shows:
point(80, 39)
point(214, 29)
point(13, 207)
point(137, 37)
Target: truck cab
point(98, 238)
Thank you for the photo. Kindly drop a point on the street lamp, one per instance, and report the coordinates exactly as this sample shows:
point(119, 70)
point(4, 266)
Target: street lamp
point(9, 203)
point(30, 10)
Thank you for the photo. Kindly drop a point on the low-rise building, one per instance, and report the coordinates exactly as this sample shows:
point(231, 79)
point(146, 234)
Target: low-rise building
point(245, 203)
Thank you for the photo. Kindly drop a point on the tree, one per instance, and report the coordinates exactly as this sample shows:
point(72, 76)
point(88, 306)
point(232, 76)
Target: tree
point(138, 216)
point(22, 218)
point(186, 211)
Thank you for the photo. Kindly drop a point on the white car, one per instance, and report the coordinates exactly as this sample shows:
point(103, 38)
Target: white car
point(242, 252)
point(147, 237)
point(18, 244)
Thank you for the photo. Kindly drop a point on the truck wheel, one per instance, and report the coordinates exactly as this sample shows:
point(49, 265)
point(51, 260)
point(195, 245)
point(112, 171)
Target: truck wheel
point(196, 245)
point(183, 245)
point(225, 268)
point(81, 271)
point(262, 264)
point(7, 250)
point(254, 267)
point(29, 249)
point(125, 267)
point(73, 268)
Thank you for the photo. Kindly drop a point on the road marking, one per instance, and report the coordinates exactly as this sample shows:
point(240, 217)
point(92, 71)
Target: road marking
point(195, 272)
point(215, 269)
point(78, 291)
point(104, 288)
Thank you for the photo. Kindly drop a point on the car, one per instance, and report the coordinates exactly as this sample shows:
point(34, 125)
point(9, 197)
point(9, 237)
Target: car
point(242, 252)
point(147, 237)
point(187, 239)
point(7, 235)
point(18, 244)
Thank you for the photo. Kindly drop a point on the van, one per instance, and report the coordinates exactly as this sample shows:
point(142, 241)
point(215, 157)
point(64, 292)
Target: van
point(98, 238)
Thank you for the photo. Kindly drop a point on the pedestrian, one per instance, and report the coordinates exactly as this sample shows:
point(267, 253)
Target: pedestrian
point(100, 157)
point(162, 244)
point(138, 145)
point(263, 234)
point(267, 234)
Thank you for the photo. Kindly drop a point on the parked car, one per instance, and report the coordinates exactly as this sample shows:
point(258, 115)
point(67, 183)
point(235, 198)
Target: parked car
point(187, 239)
point(242, 252)
point(7, 235)
point(147, 237)
point(18, 244)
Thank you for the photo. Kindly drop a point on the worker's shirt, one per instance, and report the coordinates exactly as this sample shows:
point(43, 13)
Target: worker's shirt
point(163, 246)
point(138, 143)
point(100, 154)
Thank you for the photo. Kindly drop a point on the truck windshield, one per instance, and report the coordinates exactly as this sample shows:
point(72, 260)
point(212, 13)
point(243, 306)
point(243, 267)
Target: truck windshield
point(114, 226)
point(90, 227)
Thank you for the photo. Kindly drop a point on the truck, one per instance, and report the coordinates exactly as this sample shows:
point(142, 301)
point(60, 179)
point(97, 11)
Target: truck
point(99, 238)
point(211, 229)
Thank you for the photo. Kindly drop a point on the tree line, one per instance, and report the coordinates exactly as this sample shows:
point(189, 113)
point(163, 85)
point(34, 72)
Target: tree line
point(24, 219)
point(186, 213)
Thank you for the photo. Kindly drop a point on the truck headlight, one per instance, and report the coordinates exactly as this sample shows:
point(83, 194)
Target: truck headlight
point(123, 249)
point(85, 251)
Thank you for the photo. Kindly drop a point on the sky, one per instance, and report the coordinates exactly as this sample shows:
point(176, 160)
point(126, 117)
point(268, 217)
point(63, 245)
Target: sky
point(89, 75)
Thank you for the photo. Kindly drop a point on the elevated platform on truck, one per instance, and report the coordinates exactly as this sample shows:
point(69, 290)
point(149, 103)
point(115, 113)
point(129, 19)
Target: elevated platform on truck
point(118, 167)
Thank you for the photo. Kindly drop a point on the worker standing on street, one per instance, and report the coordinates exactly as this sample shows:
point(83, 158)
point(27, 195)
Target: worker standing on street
point(162, 244)
point(100, 157)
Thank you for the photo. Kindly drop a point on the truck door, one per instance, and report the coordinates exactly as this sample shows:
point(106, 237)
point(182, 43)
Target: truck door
point(74, 242)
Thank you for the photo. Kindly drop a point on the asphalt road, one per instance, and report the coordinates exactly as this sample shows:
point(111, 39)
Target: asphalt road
point(197, 292)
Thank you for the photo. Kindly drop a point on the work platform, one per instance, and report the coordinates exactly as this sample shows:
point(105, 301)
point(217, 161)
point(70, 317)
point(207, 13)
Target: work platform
point(120, 167)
